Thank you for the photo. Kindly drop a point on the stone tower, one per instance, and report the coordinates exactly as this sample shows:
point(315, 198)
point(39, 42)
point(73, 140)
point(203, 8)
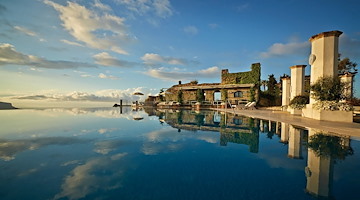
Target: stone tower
point(324, 56)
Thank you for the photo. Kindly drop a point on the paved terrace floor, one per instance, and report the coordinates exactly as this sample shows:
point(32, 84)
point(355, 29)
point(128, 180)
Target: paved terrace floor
point(341, 128)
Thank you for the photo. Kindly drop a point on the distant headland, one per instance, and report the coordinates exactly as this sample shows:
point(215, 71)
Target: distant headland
point(6, 106)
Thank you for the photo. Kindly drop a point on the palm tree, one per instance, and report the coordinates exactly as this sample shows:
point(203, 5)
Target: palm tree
point(264, 83)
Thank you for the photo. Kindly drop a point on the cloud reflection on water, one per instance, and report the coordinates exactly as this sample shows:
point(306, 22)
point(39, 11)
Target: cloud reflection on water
point(95, 175)
point(9, 148)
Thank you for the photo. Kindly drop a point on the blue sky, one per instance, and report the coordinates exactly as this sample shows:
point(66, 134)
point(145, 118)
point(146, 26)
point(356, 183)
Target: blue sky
point(97, 51)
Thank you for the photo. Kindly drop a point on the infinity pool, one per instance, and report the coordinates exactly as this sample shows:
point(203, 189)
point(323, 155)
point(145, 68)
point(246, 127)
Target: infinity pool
point(112, 153)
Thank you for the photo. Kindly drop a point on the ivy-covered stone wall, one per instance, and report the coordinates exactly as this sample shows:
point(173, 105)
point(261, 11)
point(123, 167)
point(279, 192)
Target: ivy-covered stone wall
point(249, 77)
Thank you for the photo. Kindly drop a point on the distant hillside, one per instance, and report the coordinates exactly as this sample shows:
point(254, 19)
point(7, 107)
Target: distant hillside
point(6, 106)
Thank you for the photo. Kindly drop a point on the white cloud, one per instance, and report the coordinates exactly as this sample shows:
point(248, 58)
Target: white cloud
point(191, 30)
point(72, 43)
point(101, 6)
point(161, 8)
point(29, 32)
point(213, 25)
point(9, 56)
point(176, 75)
point(86, 75)
point(105, 59)
point(105, 32)
point(25, 30)
point(104, 76)
point(291, 48)
point(154, 59)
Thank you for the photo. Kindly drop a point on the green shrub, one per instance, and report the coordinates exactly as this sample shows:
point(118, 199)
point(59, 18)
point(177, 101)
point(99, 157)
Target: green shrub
point(299, 102)
point(328, 89)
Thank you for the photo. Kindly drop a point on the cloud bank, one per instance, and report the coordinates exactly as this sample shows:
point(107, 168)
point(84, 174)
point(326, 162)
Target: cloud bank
point(161, 73)
point(105, 59)
point(109, 95)
point(9, 56)
point(99, 31)
point(156, 59)
point(104, 76)
point(291, 48)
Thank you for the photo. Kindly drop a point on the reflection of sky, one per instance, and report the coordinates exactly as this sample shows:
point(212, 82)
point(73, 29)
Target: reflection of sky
point(34, 123)
point(101, 153)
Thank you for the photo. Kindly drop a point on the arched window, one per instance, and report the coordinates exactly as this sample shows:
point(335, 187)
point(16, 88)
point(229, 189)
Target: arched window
point(237, 121)
point(238, 94)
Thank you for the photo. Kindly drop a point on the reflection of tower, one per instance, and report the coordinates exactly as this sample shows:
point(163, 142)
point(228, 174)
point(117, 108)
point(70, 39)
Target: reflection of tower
point(277, 128)
point(270, 127)
point(261, 125)
point(295, 135)
point(284, 138)
point(319, 173)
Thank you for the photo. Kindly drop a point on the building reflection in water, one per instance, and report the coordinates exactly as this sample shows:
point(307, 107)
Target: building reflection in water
point(232, 128)
point(295, 142)
point(323, 149)
point(284, 133)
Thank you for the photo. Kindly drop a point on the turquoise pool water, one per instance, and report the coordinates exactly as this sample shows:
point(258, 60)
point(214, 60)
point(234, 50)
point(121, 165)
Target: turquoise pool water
point(108, 153)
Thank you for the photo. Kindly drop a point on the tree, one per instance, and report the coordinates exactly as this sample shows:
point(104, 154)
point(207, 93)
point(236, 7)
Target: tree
point(271, 84)
point(180, 96)
point(161, 95)
point(200, 95)
point(264, 83)
point(345, 65)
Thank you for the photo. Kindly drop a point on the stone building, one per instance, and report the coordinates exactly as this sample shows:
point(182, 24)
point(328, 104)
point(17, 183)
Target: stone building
point(236, 88)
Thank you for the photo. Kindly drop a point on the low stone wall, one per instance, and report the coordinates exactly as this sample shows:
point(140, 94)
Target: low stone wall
point(327, 115)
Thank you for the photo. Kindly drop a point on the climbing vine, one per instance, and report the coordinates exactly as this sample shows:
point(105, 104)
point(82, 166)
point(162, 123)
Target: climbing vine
point(249, 77)
point(224, 94)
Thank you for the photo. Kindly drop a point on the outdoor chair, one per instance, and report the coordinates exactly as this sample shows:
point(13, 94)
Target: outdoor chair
point(251, 106)
point(243, 106)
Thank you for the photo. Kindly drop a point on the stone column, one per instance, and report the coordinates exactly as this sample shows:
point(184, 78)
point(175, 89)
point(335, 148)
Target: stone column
point(297, 80)
point(324, 62)
point(324, 56)
point(297, 84)
point(295, 135)
point(348, 80)
point(285, 92)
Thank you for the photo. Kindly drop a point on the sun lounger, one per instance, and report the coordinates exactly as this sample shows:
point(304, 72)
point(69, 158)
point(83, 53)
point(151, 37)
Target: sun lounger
point(251, 106)
point(243, 106)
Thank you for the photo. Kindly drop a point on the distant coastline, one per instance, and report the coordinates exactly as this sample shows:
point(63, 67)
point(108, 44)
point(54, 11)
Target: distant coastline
point(6, 106)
